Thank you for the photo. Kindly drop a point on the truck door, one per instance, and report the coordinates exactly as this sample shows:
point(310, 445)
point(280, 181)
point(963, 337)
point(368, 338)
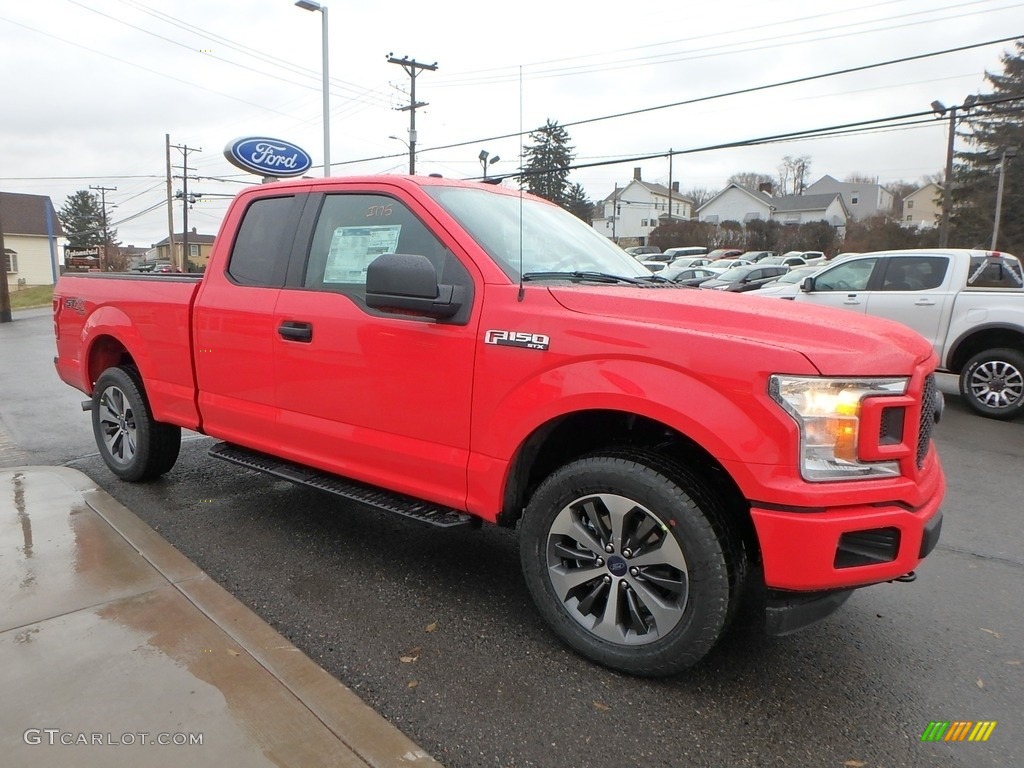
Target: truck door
point(376, 396)
point(235, 335)
point(914, 291)
point(843, 286)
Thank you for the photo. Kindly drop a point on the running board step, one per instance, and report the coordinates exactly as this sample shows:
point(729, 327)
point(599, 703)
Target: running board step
point(407, 506)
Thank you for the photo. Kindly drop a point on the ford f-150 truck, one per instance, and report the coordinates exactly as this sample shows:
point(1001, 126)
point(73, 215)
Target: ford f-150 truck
point(459, 352)
point(969, 305)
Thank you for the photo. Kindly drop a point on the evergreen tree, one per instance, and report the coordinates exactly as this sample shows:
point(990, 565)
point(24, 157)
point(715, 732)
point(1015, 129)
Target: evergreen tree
point(546, 171)
point(82, 219)
point(994, 125)
point(578, 204)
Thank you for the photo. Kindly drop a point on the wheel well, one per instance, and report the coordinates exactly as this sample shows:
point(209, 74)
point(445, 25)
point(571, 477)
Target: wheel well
point(570, 437)
point(989, 338)
point(106, 352)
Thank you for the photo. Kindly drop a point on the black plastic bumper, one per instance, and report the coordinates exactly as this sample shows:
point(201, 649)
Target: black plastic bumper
point(788, 612)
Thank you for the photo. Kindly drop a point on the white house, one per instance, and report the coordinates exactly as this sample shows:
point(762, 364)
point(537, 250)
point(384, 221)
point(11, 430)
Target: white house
point(31, 233)
point(738, 203)
point(923, 207)
point(629, 214)
point(862, 199)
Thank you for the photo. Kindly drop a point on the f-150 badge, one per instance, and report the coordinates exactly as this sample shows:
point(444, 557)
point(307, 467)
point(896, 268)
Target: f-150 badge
point(517, 339)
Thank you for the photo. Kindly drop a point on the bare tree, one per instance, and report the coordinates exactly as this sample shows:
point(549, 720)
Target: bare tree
point(699, 195)
point(751, 179)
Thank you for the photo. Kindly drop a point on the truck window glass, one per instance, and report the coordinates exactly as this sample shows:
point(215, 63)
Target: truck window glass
point(263, 243)
point(915, 273)
point(1001, 271)
point(849, 276)
point(353, 230)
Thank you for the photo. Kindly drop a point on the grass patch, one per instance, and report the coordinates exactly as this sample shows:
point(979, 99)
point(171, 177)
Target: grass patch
point(35, 296)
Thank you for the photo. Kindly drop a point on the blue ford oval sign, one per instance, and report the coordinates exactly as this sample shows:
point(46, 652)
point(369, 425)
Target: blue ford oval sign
point(268, 157)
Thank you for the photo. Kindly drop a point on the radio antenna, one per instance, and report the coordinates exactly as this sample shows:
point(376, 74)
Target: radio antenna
point(521, 290)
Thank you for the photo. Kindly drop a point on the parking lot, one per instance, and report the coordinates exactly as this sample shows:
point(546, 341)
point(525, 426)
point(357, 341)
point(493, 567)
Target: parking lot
point(436, 630)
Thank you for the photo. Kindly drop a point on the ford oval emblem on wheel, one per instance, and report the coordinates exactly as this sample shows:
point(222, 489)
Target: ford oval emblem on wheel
point(268, 157)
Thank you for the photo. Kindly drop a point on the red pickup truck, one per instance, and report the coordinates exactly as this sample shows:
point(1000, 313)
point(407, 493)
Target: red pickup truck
point(459, 352)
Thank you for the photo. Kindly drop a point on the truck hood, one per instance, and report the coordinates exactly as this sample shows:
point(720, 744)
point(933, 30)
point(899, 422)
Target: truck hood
point(836, 341)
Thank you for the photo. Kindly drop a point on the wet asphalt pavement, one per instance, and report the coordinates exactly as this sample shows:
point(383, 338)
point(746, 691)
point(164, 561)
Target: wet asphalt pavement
point(436, 631)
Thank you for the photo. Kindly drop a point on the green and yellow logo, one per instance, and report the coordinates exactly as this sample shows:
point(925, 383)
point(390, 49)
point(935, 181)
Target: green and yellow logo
point(958, 730)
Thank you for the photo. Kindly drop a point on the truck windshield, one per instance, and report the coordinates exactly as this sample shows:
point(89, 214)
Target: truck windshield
point(525, 235)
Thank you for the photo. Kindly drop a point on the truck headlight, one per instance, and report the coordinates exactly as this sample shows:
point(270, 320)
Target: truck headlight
point(827, 412)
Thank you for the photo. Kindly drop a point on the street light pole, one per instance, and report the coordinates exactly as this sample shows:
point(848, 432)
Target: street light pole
point(484, 162)
point(940, 109)
point(310, 5)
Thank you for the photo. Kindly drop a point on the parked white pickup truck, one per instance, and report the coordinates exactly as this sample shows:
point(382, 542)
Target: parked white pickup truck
point(968, 304)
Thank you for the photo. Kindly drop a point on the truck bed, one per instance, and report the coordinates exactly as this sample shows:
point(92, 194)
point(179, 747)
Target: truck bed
point(149, 315)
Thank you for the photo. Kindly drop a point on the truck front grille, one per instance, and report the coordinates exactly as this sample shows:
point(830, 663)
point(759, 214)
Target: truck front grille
point(924, 436)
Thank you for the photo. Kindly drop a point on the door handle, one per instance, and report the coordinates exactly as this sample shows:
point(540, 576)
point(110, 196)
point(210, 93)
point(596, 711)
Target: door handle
point(852, 299)
point(924, 303)
point(295, 331)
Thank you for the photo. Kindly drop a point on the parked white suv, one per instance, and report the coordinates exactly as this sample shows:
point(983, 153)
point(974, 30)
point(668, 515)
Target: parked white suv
point(968, 304)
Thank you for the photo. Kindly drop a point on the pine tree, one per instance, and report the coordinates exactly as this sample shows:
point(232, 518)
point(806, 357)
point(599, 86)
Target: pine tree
point(546, 171)
point(578, 204)
point(82, 219)
point(994, 125)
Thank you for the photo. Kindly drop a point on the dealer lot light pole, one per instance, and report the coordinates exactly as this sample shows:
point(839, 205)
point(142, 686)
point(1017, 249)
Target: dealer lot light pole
point(310, 5)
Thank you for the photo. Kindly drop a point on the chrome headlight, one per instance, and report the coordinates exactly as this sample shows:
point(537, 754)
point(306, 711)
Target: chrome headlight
point(828, 413)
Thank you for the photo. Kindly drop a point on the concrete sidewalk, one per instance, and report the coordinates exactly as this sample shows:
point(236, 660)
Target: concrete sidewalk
point(116, 650)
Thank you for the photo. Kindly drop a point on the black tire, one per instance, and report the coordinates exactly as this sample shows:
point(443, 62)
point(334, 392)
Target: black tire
point(992, 383)
point(132, 444)
point(652, 601)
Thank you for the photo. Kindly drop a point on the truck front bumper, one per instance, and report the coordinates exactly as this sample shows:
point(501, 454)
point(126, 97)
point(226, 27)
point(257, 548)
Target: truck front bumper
point(838, 549)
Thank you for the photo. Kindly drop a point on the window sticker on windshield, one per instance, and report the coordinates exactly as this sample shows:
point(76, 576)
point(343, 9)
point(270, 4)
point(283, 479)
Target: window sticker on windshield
point(353, 248)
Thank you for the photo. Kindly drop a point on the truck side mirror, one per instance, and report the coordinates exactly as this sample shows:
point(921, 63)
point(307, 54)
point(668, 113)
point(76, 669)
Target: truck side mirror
point(807, 285)
point(403, 282)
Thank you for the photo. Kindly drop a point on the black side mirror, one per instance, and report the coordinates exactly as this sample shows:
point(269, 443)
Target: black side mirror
point(403, 282)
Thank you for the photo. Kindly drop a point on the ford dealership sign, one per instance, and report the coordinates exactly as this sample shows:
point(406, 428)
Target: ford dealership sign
point(268, 157)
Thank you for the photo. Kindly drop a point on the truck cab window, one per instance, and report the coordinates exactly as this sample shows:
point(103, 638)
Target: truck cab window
point(259, 256)
point(851, 276)
point(914, 273)
point(353, 230)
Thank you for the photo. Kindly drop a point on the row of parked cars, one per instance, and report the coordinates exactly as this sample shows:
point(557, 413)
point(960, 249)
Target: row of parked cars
point(726, 269)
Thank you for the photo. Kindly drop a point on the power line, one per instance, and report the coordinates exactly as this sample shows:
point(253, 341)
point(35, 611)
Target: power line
point(699, 99)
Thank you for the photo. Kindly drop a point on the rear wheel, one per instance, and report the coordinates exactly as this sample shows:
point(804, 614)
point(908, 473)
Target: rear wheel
point(992, 383)
point(631, 562)
point(133, 445)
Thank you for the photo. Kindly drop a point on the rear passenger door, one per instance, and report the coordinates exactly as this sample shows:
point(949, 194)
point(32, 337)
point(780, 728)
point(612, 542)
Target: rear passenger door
point(914, 291)
point(378, 396)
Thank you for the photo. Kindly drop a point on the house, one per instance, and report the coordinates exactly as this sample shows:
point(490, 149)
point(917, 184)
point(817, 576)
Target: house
point(31, 234)
point(923, 207)
point(862, 199)
point(738, 203)
point(199, 247)
point(629, 214)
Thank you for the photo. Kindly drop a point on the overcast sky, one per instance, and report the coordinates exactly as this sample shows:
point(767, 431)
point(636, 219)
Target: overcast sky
point(91, 88)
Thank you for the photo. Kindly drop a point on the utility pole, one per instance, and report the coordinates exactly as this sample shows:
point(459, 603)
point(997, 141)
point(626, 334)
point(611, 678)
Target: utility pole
point(106, 232)
point(5, 291)
point(412, 67)
point(184, 149)
point(670, 185)
point(170, 194)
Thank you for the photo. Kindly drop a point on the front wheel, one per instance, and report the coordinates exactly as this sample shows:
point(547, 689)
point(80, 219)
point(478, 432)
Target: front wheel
point(631, 562)
point(992, 383)
point(133, 445)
